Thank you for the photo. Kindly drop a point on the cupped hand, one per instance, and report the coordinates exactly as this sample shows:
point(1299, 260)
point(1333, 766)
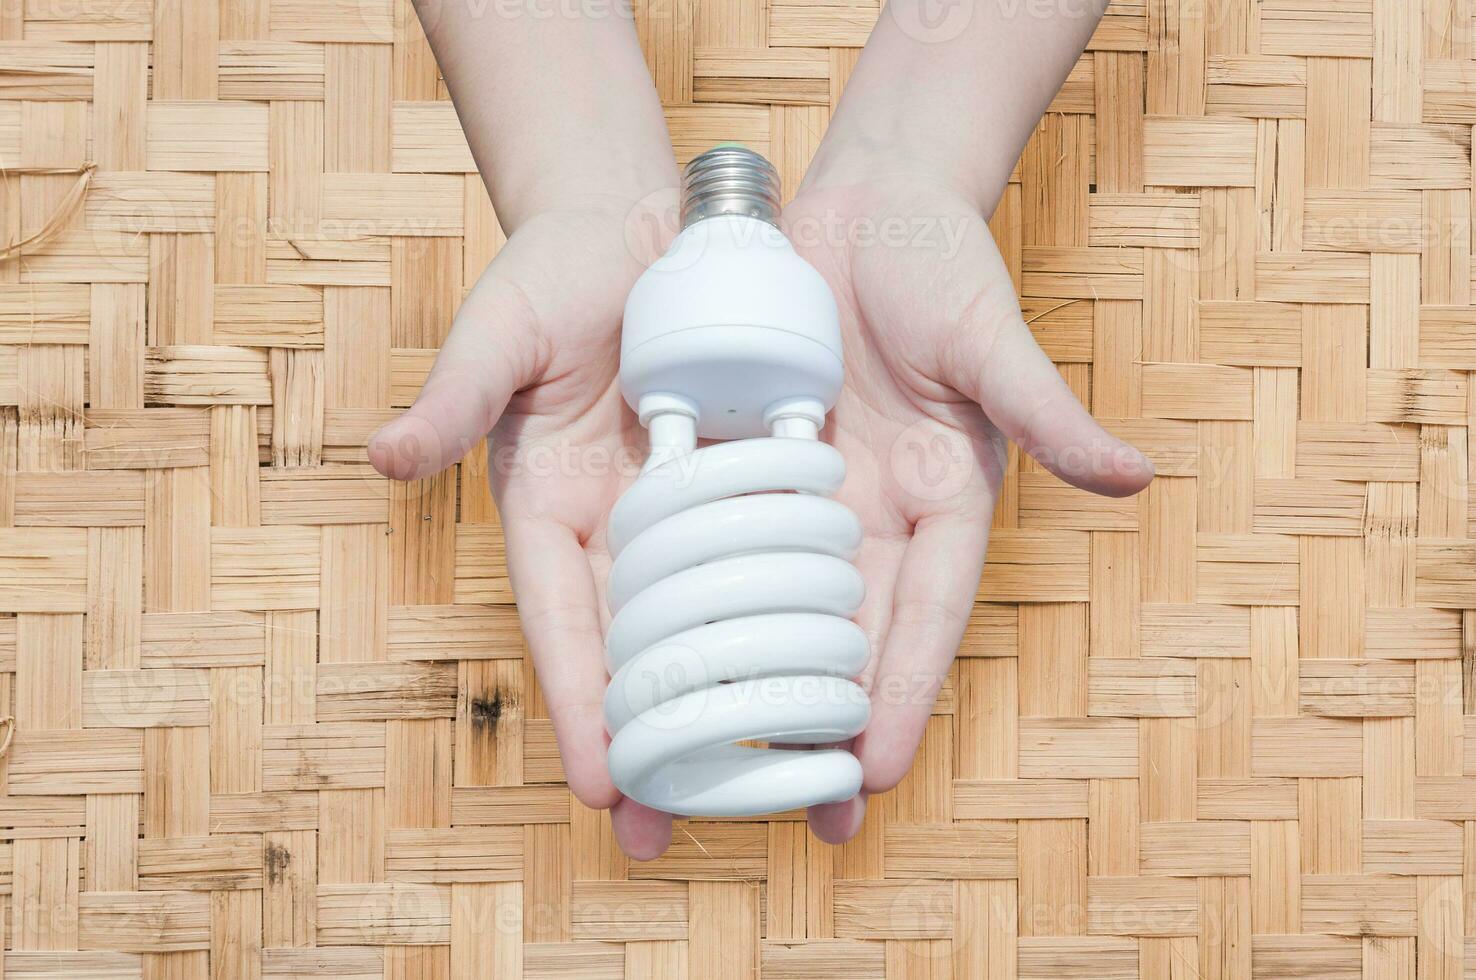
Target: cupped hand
point(532, 358)
point(941, 369)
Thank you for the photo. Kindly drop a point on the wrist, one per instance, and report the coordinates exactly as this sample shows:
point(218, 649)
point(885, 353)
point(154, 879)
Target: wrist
point(954, 101)
point(602, 178)
point(847, 159)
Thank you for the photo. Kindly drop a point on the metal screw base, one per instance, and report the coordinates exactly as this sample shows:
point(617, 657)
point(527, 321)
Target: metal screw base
point(730, 179)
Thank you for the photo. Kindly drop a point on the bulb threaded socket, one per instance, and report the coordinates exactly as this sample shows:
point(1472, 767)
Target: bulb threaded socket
point(730, 179)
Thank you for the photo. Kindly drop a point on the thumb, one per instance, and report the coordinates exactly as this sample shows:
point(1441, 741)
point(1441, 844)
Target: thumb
point(490, 353)
point(1002, 368)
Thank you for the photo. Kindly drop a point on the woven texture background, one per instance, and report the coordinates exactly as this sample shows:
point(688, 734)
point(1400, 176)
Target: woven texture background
point(273, 717)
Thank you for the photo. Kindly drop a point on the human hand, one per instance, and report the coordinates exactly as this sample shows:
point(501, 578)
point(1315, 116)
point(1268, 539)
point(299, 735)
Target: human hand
point(937, 354)
point(532, 356)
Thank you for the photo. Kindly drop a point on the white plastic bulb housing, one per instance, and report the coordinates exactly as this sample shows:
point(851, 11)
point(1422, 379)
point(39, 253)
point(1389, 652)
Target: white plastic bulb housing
point(735, 324)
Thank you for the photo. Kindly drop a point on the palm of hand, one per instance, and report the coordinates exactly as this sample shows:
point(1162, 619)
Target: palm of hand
point(940, 368)
point(535, 349)
point(924, 464)
point(559, 456)
point(916, 446)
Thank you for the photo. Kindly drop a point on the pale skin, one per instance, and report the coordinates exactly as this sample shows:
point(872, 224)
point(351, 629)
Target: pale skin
point(566, 128)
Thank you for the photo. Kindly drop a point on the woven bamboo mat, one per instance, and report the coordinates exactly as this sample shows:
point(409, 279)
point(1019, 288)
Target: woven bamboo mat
point(272, 716)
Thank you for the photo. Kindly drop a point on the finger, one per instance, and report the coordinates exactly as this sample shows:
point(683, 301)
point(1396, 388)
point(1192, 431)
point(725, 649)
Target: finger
point(878, 562)
point(836, 823)
point(489, 354)
point(935, 591)
point(1025, 396)
point(641, 832)
point(557, 607)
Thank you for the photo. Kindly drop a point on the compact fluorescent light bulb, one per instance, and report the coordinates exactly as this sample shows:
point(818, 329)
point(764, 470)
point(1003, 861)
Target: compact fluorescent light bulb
point(732, 590)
